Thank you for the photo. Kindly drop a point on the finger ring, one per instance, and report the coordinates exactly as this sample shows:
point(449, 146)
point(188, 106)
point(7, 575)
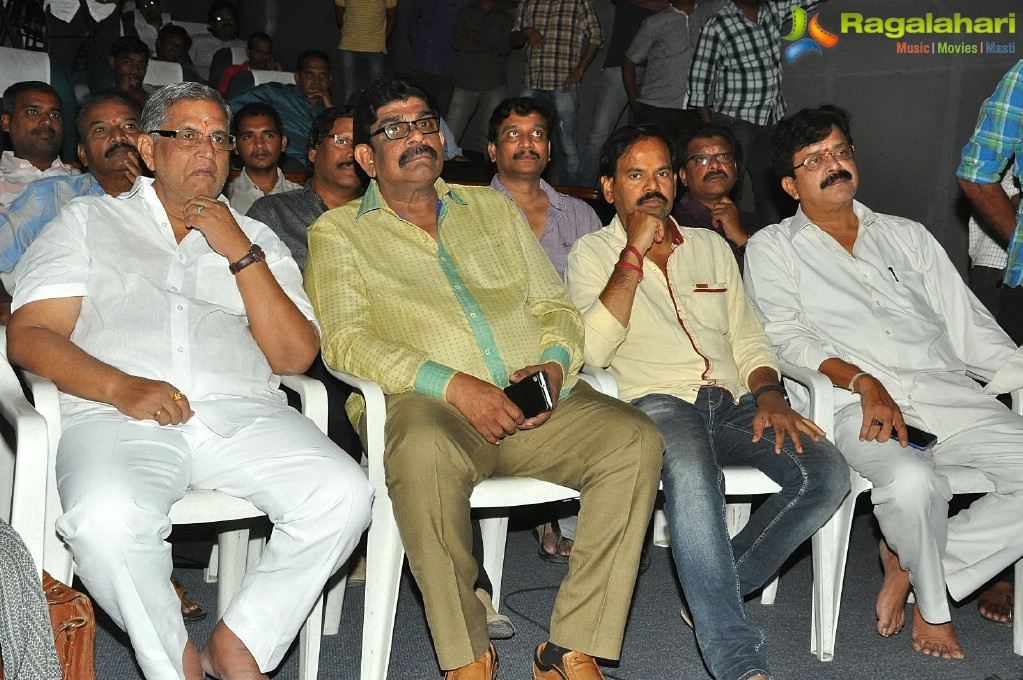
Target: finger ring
point(158, 412)
point(875, 421)
point(198, 208)
point(177, 396)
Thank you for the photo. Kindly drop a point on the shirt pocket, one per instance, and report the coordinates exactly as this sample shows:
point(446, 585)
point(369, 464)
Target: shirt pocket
point(708, 304)
point(216, 285)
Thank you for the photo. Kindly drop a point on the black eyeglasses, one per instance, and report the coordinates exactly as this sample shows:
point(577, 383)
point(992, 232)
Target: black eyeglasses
point(402, 129)
point(705, 159)
point(816, 160)
point(221, 141)
point(338, 140)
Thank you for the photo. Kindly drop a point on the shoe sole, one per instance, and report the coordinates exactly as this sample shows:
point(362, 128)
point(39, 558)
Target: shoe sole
point(500, 629)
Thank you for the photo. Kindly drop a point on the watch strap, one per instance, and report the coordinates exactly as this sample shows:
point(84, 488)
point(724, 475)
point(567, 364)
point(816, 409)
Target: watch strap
point(769, 388)
point(254, 255)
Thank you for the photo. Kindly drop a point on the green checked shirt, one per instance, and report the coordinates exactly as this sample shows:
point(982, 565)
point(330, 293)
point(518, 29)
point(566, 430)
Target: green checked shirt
point(408, 312)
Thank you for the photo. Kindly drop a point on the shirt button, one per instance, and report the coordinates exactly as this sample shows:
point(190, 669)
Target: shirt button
point(487, 352)
point(877, 302)
point(887, 332)
point(180, 308)
point(909, 396)
point(458, 288)
point(174, 289)
point(181, 349)
point(472, 315)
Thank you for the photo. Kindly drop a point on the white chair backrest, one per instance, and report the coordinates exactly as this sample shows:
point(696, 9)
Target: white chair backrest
point(160, 73)
point(261, 77)
point(18, 65)
point(238, 55)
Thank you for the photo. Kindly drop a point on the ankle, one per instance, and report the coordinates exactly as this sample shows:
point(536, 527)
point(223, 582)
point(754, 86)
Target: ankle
point(552, 655)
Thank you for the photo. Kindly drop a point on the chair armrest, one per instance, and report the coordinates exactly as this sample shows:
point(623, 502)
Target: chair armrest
point(313, 395)
point(1017, 401)
point(822, 393)
point(376, 414)
point(600, 379)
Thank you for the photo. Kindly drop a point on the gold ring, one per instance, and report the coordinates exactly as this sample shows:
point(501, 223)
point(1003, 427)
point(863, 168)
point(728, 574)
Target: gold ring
point(177, 396)
point(158, 412)
point(875, 421)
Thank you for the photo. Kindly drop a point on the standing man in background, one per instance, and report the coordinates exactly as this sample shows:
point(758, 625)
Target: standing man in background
point(556, 33)
point(365, 26)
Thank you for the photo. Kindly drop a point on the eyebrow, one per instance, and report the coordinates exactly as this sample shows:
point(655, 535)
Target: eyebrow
point(425, 113)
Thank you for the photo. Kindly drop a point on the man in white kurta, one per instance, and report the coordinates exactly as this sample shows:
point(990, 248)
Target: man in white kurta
point(163, 317)
point(874, 303)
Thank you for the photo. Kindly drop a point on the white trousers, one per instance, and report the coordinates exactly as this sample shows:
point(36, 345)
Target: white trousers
point(911, 495)
point(118, 478)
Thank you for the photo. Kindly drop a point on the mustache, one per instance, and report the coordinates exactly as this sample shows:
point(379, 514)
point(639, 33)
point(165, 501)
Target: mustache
point(44, 131)
point(525, 152)
point(834, 177)
point(421, 150)
point(715, 173)
point(120, 145)
point(652, 196)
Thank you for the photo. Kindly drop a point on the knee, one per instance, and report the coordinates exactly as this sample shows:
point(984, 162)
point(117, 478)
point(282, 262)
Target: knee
point(96, 525)
point(908, 483)
point(828, 473)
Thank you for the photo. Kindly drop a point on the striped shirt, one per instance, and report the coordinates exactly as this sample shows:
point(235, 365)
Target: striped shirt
point(997, 137)
point(407, 311)
point(17, 173)
point(736, 69)
point(567, 27)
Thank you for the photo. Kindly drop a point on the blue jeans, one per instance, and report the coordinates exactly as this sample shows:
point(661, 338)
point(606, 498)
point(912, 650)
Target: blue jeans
point(358, 70)
point(716, 573)
point(566, 104)
point(612, 99)
point(465, 104)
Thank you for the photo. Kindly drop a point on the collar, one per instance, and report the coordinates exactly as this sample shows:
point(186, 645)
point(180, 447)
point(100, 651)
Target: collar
point(372, 200)
point(310, 195)
point(554, 197)
point(9, 163)
point(800, 221)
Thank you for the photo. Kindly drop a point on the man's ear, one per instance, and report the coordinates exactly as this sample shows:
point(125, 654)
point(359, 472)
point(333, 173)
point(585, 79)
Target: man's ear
point(311, 155)
point(284, 142)
point(789, 185)
point(81, 155)
point(365, 157)
point(110, 61)
point(606, 184)
point(5, 122)
point(296, 77)
point(682, 177)
point(145, 146)
point(492, 150)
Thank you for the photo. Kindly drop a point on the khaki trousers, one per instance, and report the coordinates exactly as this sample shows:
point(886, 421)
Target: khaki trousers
point(605, 448)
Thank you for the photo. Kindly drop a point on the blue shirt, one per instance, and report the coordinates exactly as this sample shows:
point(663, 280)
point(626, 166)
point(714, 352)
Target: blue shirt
point(34, 208)
point(999, 136)
point(296, 112)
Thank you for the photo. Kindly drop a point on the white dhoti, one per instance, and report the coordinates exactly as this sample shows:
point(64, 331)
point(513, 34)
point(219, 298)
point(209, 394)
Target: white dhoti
point(119, 477)
point(911, 495)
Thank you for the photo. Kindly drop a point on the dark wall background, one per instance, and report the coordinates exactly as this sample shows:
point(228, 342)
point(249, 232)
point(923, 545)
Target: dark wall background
point(911, 113)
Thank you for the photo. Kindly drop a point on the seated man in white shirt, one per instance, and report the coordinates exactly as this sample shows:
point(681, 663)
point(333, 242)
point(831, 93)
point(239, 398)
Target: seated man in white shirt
point(32, 118)
point(665, 313)
point(874, 303)
point(164, 317)
point(261, 140)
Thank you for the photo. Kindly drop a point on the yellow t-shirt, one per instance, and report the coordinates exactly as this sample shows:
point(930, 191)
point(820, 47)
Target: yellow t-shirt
point(365, 25)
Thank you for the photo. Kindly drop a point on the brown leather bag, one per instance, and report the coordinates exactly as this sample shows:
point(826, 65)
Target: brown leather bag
point(74, 629)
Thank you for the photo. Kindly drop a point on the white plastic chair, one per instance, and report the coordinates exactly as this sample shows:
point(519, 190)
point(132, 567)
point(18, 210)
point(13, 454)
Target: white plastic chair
point(260, 77)
point(160, 73)
point(35, 487)
point(18, 65)
point(385, 552)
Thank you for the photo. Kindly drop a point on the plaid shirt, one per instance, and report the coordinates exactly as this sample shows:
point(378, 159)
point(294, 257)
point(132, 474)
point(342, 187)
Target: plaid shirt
point(997, 137)
point(736, 69)
point(567, 26)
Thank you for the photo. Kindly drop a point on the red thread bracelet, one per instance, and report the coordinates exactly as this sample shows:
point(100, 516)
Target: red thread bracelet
point(631, 267)
point(634, 250)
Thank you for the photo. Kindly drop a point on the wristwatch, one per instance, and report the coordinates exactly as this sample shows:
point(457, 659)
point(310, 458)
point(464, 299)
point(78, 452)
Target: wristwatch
point(255, 254)
point(770, 388)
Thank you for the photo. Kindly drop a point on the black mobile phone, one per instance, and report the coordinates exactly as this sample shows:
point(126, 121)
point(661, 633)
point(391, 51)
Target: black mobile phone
point(918, 439)
point(532, 394)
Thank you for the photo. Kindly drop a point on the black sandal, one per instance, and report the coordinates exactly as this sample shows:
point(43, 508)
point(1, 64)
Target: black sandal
point(540, 533)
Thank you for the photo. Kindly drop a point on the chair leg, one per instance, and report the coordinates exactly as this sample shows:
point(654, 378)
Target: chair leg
point(233, 547)
point(662, 538)
point(495, 535)
point(384, 558)
point(309, 643)
point(736, 517)
point(1017, 610)
point(830, 552)
point(335, 601)
point(209, 574)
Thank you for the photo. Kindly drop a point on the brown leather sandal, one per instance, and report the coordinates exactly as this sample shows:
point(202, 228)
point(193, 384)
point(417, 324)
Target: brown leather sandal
point(194, 611)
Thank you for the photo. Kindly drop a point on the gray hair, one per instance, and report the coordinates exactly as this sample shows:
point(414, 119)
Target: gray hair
point(155, 113)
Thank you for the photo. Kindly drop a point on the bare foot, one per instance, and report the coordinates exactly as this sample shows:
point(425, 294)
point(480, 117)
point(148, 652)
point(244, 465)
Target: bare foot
point(935, 639)
point(995, 603)
point(226, 657)
point(191, 663)
point(891, 601)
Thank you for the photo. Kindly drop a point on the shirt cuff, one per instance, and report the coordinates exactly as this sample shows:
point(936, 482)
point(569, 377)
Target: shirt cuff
point(559, 354)
point(432, 379)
